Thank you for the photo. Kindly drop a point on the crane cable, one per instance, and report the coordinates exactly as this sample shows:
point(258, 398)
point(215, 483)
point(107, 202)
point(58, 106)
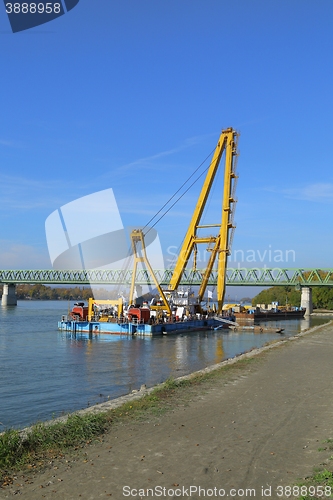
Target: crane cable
point(165, 204)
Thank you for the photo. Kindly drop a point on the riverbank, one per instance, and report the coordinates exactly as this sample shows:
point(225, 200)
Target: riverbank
point(322, 312)
point(259, 424)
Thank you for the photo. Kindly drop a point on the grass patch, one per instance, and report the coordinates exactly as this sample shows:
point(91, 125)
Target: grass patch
point(329, 445)
point(44, 442)
point(320, 485)
point(18, 449)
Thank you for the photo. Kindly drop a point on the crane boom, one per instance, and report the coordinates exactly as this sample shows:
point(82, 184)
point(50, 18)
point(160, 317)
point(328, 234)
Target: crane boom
point(140, 255)
point(220, 243)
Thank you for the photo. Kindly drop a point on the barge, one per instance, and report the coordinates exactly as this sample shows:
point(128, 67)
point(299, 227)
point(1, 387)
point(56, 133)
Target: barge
point(273, 312)
point(110, 316)
point(280, 314)
point(136, 328)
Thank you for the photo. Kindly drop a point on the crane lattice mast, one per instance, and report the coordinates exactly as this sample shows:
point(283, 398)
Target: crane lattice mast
point(219, 245)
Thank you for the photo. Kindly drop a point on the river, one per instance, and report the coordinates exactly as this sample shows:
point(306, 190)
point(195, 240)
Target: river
point(45, 373)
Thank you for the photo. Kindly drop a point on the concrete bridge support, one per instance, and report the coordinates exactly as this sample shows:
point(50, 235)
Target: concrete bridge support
point(9, 295)
point(306, 300)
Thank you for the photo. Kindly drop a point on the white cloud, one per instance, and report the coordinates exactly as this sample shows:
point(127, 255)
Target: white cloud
point(320, 191)
point(150, 162)
point(317, 192)
point(19, 256)
point(25, 193)
point(10, 144)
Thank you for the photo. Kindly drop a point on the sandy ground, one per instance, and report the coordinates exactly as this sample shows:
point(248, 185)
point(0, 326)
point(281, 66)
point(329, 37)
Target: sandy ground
point(251, 433)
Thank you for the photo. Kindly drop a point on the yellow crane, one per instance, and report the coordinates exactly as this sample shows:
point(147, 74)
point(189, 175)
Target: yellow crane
point(140, 255)
point(219, 245)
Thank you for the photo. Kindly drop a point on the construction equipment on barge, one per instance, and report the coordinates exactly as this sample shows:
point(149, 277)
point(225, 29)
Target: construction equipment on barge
point(178, 310)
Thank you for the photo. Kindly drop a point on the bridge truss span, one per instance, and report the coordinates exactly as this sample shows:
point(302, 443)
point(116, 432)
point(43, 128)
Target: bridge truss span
point(234, 277)
point(280, 276)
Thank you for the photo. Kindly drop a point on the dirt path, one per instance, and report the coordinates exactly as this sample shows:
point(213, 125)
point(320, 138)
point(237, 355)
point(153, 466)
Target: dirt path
point(260, 428)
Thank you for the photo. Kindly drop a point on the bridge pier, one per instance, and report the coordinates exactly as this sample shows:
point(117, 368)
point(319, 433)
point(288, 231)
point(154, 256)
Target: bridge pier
point(306, 300)
point(9, 295)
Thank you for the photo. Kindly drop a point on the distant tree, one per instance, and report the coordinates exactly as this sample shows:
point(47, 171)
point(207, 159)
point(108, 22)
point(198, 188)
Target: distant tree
point(322, 296)
point(42, 292)
point(281, 294)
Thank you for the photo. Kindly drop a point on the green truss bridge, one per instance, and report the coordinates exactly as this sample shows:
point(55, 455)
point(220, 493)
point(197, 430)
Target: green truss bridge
point(306, 277)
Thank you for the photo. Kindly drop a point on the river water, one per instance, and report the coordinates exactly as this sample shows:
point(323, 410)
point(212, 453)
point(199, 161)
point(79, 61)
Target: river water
point(45, 373)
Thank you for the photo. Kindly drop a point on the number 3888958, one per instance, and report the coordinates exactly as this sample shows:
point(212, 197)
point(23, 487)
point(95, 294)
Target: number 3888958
point(33, 8)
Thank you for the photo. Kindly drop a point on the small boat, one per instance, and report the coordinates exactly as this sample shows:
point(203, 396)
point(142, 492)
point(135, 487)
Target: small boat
point(258, 329)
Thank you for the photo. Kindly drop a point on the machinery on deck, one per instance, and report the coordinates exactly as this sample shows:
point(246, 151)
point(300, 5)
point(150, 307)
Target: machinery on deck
point(103, 309)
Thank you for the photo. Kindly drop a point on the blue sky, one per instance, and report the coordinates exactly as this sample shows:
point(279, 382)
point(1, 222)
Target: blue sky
point(132, 95)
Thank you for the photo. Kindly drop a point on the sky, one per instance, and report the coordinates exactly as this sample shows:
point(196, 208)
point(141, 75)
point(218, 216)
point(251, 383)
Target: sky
point(133, 94)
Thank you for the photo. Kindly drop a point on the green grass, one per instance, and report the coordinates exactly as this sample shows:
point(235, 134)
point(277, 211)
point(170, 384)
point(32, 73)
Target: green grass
point(43, 442)
point(319, 485)
point(16, 449)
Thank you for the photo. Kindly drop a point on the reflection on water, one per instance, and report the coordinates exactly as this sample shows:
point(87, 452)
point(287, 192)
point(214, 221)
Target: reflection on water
point(44, 372)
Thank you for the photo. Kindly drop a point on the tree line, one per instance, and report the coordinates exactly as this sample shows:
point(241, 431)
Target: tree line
point(43, 292)
point(322, 297)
